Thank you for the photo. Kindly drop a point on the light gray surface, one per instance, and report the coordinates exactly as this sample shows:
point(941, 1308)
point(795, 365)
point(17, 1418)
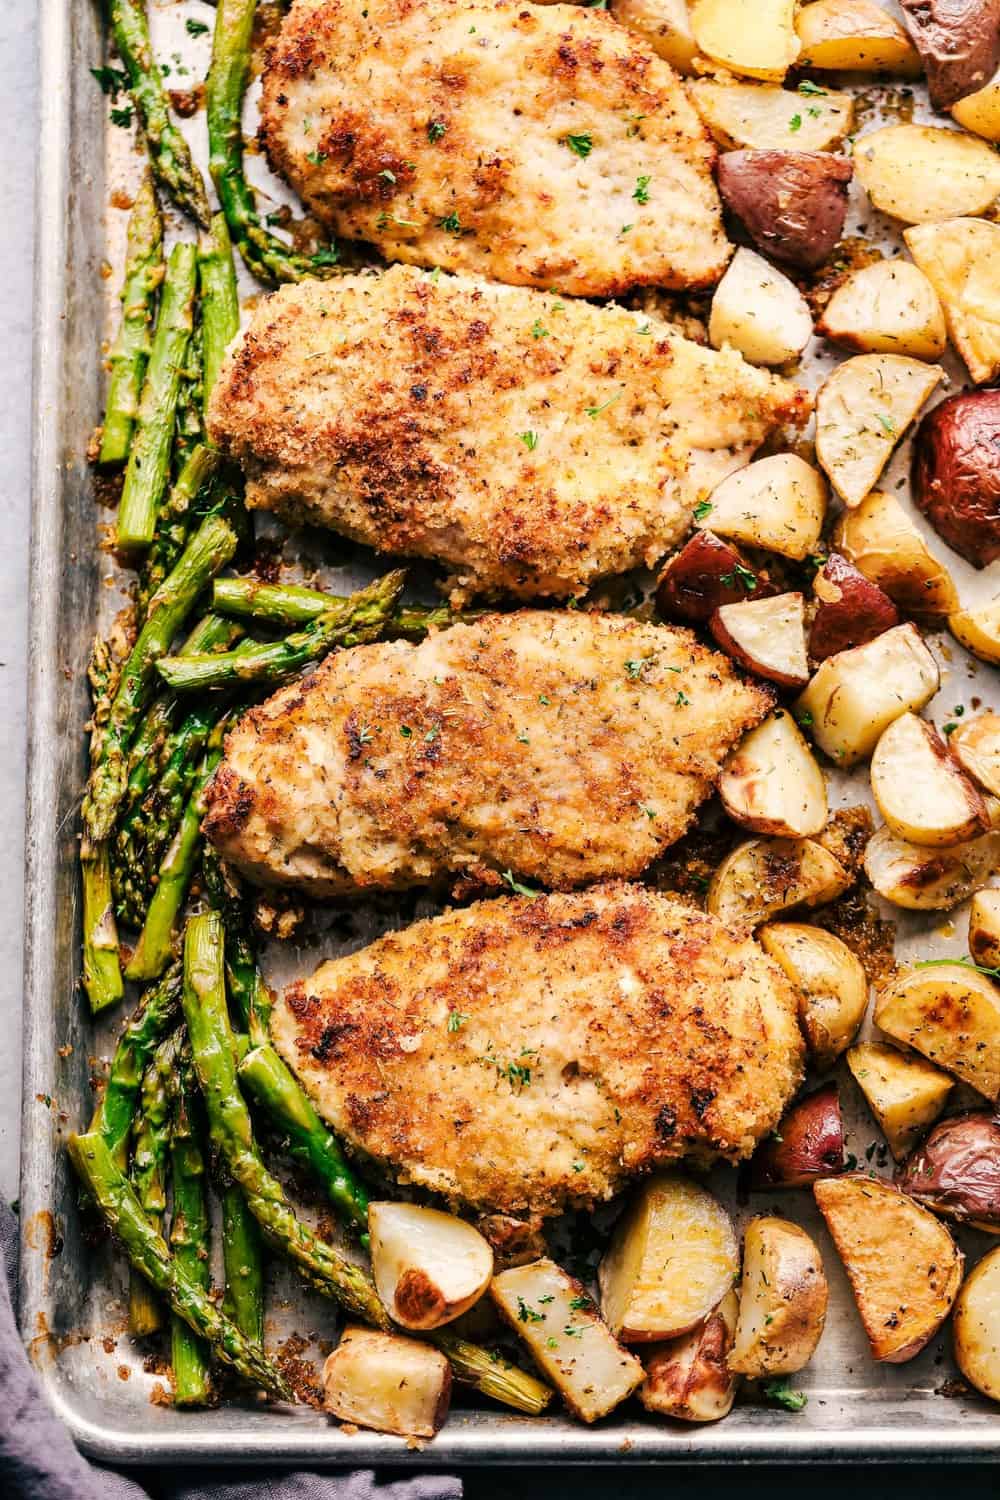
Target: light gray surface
point(17, 160)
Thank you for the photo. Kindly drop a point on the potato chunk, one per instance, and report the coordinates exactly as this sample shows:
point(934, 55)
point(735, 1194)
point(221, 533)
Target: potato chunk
point(923, 174)
point(388, 1382)
point(783, 1297)
point(850, 36)
point(984, 928)
point(882, 542)
point(808, 1144)
point(922, 879)
point(976, 746)
point(980, 112)
point(771, 782)
point(767, 636)
point(904, 1093)
point(759, 312)
point(832, 985)
point(961, 259)
point(920, 791)
point(666, 26)
point(904, 1267)
point(671, 1259)
point(976, 1327)
point(956, 1171)
point(689, 1377)
point(851, 610)
point(763, 877)
point(758, 44)
point(956, 473)
point(760, 117)
point(951, 1014)
point(429, 1266)
point(887, 308)
point(862, 410)
point(978, 630)
point(855, 695)
point(555, 1317)
point(777, 503)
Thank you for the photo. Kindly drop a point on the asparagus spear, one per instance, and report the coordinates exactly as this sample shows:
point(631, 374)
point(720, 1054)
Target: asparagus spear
point(488, 1372)
point(189, 1229)
point(289, 604)
point(150, 1140)
point(243, 1264)
point(208, 550)
point(102, 977)
point(149, 458)
point(156, 1015)
point(169, 155)
point(360, 618)
point(173, 519)
point(143, 274)
point(148, 1253)
point(213, 1046)
point(188, 427)
point(265, 255)
point(219, 302)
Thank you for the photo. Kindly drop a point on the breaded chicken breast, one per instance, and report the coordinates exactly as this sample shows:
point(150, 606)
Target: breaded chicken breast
point(536, 144)
point(523, 1056)
point(561, 747)
point(530, 442)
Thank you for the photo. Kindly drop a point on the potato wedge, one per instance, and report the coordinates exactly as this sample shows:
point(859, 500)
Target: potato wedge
point(959, 42)
point(984, 928)
point(783, 1297)
point(689, 1377)
point(759, 312)
point(387, 1382)
point(980, 112)
point(832, 985)
point(767, 636)
point(558, 1322)
point(922, 879)
point(904, 1093)
point(760, 117)
point(923, 174)
point(921, 792)
point(950, 1013)
point(956, 1172)
point(672, 1258)
point(705, 574)
point(791, 204)
point(666, 26)
point(807, 1145)
point(855, 695)
point(763, 877)
point(956, 473)
point(771, 782)
point(761, 44)
point(975, 744)
point(851, 610)
point(976, 1327)
point(888, 307)
point(903, 1265)
point(851, 36)
point(961, 260)
point(429, 1266)
point(862, 410)
point(776, 503)
point(882, 542)
point(978, 630)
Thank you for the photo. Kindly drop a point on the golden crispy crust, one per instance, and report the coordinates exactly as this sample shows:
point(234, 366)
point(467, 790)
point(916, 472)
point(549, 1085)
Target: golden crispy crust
point(437, 130)
point(565, 747)
point(522, 1056)
point(531, 442)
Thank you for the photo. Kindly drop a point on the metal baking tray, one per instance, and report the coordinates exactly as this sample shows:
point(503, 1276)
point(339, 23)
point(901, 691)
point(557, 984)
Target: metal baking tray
point(72, 1297)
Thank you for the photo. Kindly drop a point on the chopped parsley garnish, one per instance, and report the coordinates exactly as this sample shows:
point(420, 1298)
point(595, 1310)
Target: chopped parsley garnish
point(387, 175)
point(329, 256)
point(195, 28)
point(316, 157)
point(537, 331)
point(523, 738)
point(544, 1301)
point(528, 1314)
point(111, 80)
point(543, 700)
point(649, 811)
point(573, 1331)
point(682, 701)
point(804, 718)
point(636, 666)
point(595, 411)
point(644, 331)
point(517, 887)
point(795, 123)
point(364, 735)
point(581, 145)
point(435, 130)
point(530, 440)
point(581, 1304)
point(405, 731)
point(808, 87)
point(626, 229)
point(122, 117)
point(456, 1020)
point(641, 192)
point(451, 223)
point(702, 509)
point(886, 423)
point(432, 733)
point(740, 574)
point(781, 1394)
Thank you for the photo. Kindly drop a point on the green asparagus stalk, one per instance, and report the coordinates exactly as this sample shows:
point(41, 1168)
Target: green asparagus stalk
point(213, 1046)
point(491, 1374)
point(269, 258)
point(102, 977)
point(143, 274)
point(243, 1264)
point(157, 1014)
point(219, 301)
point(148, 749)
point(173, 520)
point(149, 459)
point(150, 1141)
point(360, 618)
point(189, 1229)
point(169, 154)
point(288, 604)
point(244, 980)
point(209, 549)
point(147, 1251)
point(310, 1143)
point(188, 427)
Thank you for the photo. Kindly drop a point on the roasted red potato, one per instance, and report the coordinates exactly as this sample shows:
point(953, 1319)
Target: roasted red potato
point(767, 636)
point(807, 1145)
point(852, 609)
point(956, 1172)
point(956, 473)
point(705, 574)
point(689, 1377)
point(791, 203)
point(958, 42)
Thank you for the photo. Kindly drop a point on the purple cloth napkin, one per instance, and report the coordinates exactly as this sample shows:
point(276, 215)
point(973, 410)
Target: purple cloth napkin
point(39, 1462)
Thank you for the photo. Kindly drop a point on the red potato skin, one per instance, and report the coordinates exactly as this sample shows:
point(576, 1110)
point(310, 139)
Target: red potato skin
point(732, 647)
point(791, 203)
point(956, 473)
point(691, 587)
point(852, 610)
point(811, 1144)
point(957, 1169)
point(958, 42)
